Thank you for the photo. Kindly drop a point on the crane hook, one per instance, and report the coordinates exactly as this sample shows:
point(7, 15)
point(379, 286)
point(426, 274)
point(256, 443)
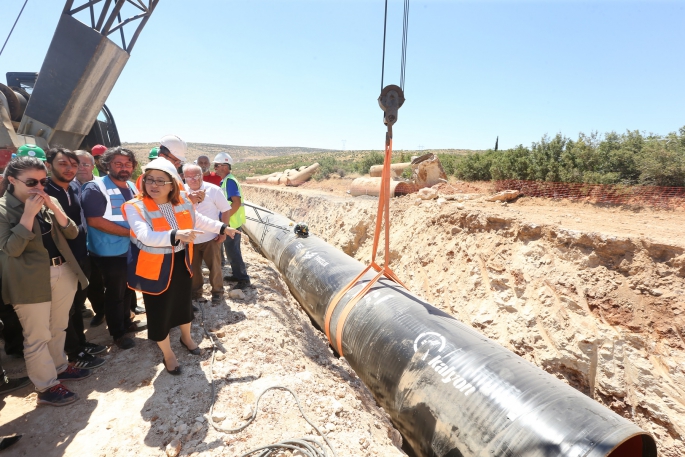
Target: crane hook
point(390, 101)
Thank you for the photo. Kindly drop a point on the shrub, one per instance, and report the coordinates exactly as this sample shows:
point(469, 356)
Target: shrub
point(327, 166)
point(629, 158)
point(369, 160)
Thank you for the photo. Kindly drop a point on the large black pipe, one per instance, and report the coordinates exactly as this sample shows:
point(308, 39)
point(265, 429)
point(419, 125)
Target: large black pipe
point(450, 390)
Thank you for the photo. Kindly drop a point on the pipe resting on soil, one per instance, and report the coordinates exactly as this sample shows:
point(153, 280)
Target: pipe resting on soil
point(450, 390)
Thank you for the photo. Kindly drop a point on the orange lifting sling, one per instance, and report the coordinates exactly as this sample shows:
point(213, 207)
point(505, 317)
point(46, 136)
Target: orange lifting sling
point(390, 101)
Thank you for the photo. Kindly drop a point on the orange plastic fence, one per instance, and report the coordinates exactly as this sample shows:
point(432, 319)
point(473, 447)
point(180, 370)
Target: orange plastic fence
point(662, 197)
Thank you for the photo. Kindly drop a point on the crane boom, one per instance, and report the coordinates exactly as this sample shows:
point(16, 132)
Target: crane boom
point(80, 69)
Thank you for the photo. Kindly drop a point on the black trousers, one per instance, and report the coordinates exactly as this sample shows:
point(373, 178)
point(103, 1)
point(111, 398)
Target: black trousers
point(76, 338)
point(118, 296)
point(12, 333)
point(10, 328)
point(96, 289)
point(3, 375)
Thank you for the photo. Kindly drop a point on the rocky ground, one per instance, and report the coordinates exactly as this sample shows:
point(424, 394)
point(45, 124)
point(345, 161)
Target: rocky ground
point(594, 295)
point(132, 407)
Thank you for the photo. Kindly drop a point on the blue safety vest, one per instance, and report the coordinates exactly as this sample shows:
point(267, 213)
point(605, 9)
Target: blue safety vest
point(103, 244)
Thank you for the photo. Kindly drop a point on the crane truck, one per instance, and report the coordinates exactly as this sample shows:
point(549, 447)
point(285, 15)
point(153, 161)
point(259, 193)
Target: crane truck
point(64, 103)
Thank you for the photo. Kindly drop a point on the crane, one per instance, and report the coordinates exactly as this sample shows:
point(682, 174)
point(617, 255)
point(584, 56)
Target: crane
point(64, 103)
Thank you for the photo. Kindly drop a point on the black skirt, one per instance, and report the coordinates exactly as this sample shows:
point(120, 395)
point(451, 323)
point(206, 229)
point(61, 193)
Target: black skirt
point(174, 306)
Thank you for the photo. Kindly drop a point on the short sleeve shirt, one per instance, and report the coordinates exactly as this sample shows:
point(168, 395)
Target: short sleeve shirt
point(212, 178)
point(231, 189)
point(94, 204)
point(212, 206)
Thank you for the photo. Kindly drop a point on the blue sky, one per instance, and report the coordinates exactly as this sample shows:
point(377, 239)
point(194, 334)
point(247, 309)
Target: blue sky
point(307, 72)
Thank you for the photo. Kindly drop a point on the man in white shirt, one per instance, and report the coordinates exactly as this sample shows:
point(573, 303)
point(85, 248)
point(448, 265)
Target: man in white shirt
point(213, 204)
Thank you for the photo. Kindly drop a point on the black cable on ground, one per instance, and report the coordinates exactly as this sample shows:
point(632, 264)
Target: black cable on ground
point(308, 447)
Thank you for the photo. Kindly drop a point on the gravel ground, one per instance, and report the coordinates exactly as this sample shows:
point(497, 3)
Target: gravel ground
point(131, 406)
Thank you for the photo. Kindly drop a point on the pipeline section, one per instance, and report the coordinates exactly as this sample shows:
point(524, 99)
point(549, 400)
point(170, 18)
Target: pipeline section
point(449, 390)
point(372, 187)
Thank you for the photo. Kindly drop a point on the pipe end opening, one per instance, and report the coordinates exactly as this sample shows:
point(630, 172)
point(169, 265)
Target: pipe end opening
point(636, 446)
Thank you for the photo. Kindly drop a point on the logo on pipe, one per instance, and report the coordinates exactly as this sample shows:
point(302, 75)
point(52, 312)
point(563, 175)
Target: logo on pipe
point(435, 341)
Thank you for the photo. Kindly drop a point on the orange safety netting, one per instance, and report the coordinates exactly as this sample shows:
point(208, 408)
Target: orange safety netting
point(662, 197)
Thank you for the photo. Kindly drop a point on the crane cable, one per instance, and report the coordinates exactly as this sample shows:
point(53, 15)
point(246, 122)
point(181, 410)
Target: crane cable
point(12, 29)
point(405, 29)
point(382, 215)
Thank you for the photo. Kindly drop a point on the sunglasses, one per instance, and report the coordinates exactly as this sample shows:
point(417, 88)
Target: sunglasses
point(30, 182)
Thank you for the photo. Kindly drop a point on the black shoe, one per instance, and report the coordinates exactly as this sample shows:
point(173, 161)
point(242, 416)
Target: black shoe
point(217, 298)
point(85, 360)
point(97, 320)
point(92, 348)
point(73, 374)
point(195, 309)
point(176, 371)
point(87, 313)
point(57, 395)
point(136, 326)
point(125, 342)
point(14, 384)
point(243, 285)
point(7, 441)
point(230, 278)
point(138, 310)
point(196, 351)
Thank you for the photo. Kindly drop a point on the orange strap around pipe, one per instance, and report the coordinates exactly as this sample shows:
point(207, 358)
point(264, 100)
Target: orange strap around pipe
point(383, 209)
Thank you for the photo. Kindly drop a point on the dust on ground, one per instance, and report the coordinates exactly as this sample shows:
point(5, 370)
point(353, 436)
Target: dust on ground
point(131, 407)
point(591, 294)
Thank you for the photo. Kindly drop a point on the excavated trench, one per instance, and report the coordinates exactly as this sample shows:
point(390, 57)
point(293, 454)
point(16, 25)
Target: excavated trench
point(603, 313)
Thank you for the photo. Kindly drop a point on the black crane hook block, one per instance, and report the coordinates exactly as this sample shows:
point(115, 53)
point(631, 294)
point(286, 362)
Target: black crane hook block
point(390, 101)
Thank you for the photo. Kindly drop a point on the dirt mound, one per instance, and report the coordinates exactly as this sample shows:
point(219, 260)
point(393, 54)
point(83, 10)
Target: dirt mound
point(132, 407)
point(603, 311)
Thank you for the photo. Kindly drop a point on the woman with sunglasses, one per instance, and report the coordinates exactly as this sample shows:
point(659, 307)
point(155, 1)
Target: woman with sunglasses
point(164, 224)
point(39, 276)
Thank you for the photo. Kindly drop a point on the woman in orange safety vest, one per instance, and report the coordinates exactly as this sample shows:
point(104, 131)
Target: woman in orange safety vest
point(164, 224)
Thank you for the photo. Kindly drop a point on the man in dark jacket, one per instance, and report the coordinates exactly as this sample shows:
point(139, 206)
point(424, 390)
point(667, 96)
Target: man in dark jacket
point(63, 165)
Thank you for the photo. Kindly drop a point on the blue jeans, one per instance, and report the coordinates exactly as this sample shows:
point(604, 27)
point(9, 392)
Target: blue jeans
point(235, 258)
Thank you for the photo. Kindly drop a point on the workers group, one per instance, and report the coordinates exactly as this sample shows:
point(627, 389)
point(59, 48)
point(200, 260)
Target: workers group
point(88, 231)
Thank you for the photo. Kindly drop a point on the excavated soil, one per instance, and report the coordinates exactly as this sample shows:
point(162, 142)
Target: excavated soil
point(594, 295)
point(132, 407)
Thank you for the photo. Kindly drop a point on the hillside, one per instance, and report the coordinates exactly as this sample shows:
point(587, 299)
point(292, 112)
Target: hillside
point(258, 160)
point(239, 153)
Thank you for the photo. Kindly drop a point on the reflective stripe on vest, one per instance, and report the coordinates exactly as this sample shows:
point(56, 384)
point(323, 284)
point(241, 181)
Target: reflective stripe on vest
point(104, 244)
point(114, 198)
point(150, 268)
point(238, 218)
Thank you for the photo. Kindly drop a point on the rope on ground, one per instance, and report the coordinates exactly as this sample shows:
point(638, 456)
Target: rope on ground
point(308, 447)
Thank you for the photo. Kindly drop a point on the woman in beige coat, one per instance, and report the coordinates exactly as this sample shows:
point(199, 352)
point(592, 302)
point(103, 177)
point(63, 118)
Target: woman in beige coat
point(39, 276)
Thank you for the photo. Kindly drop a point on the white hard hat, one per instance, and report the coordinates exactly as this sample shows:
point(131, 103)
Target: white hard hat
point(223, 157)
point(175, 145)
point(164, 165)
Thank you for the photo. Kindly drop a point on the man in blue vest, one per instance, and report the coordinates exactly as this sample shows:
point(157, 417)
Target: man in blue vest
point(231, 188)
point(108, 239)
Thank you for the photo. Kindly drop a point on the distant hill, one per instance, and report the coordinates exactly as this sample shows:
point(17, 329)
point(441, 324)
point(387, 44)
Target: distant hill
point(239, 153)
